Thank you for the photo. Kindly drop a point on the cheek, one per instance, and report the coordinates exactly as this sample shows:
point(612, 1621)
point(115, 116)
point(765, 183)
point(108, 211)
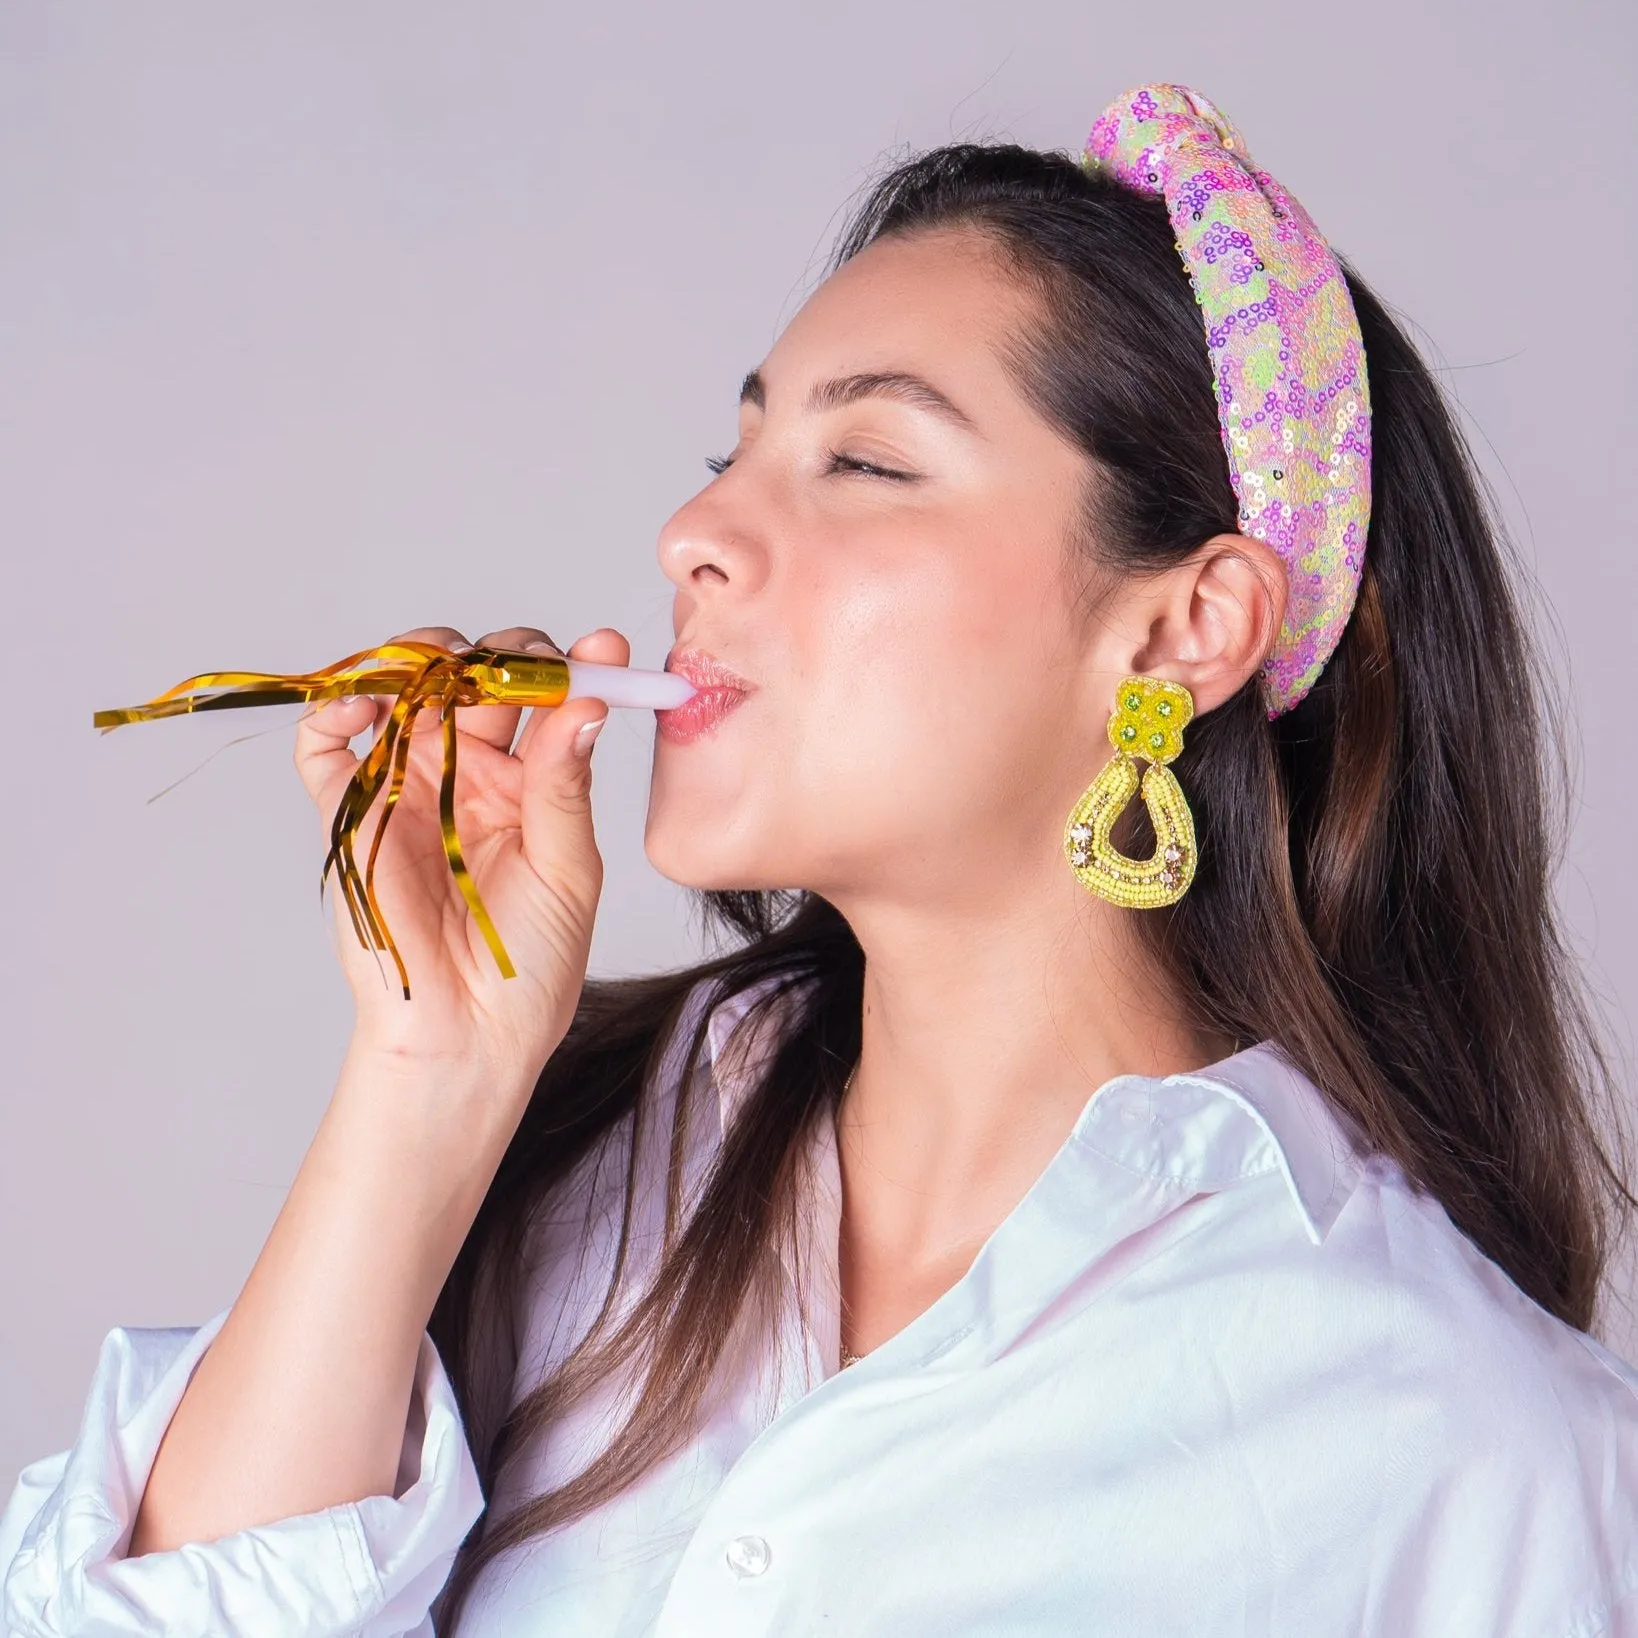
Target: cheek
point(876, 638)
point(921, 685)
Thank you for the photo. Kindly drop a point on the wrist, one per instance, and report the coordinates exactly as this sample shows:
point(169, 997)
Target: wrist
point(444, 1097)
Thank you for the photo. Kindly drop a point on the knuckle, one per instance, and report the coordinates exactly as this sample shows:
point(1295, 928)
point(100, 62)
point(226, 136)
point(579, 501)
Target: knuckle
point(518, 637)
point(445, 635)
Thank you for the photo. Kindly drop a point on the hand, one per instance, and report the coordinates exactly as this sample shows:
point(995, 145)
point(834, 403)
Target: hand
point(525, 824)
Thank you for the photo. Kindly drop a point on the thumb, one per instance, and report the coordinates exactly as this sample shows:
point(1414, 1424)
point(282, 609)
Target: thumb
point(557, 773)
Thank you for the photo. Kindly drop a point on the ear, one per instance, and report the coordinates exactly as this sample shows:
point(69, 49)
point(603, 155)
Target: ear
point(1210, 621)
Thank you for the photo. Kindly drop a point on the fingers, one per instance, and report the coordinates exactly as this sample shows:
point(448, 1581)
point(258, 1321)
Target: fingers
point(444, 636)
point(519, 637)
point(605, 646)
point(323, 739)
point(497, 724)
point(555, 751)
point(323, 736)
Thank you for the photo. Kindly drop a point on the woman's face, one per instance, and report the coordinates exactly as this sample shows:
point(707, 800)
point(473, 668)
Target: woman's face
point(887, 564)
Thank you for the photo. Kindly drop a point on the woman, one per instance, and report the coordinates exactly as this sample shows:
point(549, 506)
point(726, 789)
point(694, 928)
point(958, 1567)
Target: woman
point(964, 1251)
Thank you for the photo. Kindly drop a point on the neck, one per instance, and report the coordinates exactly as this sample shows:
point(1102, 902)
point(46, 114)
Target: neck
point(982, 1042)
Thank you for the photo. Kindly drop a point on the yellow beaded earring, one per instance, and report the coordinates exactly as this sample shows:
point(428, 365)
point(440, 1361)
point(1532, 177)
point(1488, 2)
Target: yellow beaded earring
point(1148, 721)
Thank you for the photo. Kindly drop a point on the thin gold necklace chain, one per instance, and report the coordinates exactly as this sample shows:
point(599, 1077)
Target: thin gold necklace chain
point(848, 1356)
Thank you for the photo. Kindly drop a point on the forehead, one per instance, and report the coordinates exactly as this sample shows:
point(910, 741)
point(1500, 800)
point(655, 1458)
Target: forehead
point(941, 301)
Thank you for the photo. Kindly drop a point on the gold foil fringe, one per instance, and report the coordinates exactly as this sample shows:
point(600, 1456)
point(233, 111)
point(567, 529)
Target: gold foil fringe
point(420, 676)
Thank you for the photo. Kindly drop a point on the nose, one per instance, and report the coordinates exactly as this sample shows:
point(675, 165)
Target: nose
point(708, 542)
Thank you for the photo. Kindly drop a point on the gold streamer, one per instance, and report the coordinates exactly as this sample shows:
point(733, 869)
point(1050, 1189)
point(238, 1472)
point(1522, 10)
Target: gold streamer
point(421, 676)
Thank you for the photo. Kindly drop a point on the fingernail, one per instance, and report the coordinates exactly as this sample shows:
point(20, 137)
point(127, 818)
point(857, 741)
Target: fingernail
point(536, 646)
point(585, 736)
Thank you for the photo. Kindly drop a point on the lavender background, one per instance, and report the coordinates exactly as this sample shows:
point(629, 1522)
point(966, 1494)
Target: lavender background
point(321, 321)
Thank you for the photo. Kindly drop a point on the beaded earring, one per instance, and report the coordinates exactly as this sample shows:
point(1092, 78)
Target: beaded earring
point(1148, 721)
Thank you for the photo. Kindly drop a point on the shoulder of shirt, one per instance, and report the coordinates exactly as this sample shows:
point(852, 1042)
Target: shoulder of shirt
point(1460, 1326)
point(1327, 1166)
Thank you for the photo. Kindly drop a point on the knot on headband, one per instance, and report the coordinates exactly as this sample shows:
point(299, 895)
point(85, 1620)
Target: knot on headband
point(1293, 401)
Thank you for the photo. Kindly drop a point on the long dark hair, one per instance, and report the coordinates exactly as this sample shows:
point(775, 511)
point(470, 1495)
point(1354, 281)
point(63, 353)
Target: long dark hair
point(1373, 891)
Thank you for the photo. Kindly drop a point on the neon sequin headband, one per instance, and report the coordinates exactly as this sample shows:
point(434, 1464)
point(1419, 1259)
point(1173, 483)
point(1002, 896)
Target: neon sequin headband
point(1293, 401)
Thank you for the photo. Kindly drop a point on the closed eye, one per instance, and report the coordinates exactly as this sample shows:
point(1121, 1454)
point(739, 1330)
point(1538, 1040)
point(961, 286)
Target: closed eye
point(865, 469)
point(718, 464)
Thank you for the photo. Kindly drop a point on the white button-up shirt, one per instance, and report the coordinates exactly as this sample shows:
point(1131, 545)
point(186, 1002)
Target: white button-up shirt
point(1216, 1373)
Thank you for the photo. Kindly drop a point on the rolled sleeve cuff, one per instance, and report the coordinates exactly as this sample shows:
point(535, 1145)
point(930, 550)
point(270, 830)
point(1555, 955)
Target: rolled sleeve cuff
point(364, 1569)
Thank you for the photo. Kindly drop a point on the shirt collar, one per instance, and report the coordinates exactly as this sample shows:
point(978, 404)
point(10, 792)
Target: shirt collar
point(1203, 1129)
point(1208, 1128)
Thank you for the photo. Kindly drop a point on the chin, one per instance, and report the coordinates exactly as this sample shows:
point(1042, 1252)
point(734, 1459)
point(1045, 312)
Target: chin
point(701, 851)
point(703, 875)
point(690, 854)
point(713, 823)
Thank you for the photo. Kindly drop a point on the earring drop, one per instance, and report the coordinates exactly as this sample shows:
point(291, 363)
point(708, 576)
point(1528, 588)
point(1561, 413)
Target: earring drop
point(1148, 721)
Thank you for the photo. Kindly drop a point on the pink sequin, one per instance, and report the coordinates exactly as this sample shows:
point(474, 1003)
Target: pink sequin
point(1293, 399)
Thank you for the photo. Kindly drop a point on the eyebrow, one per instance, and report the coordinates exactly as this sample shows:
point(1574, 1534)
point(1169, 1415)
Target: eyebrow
point(849, 389)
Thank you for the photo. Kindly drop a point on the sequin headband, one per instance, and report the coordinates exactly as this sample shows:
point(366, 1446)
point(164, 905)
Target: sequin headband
point(1293, 402)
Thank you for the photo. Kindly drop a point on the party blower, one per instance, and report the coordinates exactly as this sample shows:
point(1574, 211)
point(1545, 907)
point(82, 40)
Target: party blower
point(419, 675)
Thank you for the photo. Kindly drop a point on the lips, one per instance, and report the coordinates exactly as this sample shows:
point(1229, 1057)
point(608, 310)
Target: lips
point(720, 692)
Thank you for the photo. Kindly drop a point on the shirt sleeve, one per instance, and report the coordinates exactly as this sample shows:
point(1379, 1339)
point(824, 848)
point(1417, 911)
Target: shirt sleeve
point(364, 1569)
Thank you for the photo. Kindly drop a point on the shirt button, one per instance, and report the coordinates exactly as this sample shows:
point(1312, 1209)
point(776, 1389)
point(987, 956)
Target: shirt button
point(748, 1555)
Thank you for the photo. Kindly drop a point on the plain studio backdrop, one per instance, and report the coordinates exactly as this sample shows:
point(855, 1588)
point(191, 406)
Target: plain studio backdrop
point(318, 322)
